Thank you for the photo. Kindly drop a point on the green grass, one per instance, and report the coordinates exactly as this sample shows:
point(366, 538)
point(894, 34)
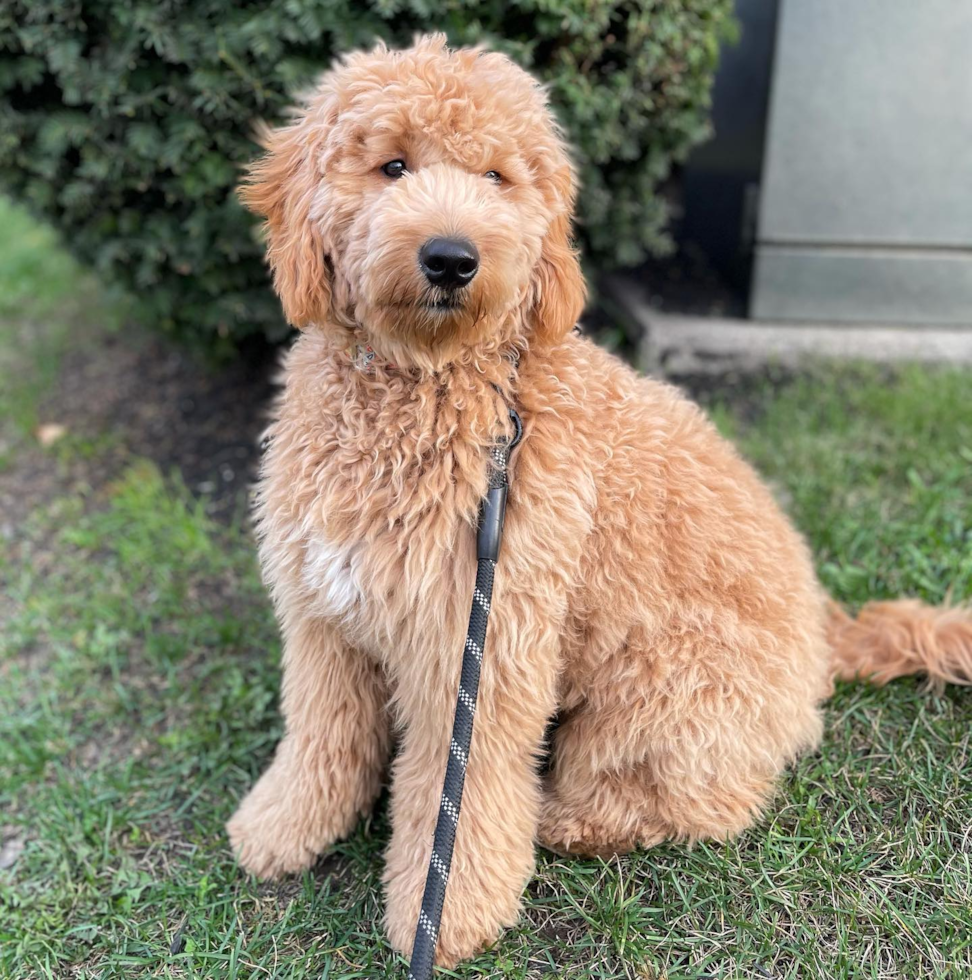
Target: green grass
point(876, 468)
point(138, 686)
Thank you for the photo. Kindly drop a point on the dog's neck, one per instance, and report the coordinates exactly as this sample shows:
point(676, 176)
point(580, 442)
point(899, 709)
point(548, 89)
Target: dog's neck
point(476, 385)
point(449, 411)
point(383, 379)
point(500, 345)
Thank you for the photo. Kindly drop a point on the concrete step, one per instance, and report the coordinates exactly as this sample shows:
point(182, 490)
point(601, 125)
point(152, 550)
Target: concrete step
point(678, 344)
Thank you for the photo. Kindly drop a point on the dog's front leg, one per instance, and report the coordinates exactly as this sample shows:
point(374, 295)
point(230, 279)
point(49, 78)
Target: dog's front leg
point(494, 851)
point(327, 768)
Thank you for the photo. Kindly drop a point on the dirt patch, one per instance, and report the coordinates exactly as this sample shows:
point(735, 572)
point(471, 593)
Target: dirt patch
point(155, 400)
point(142, 396)
point(748, 392)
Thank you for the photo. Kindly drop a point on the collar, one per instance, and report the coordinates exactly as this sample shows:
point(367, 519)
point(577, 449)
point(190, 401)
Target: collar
point(363, 357)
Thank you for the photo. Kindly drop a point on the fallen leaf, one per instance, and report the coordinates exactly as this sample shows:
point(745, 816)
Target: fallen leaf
point(10, 851)
point(48, 433)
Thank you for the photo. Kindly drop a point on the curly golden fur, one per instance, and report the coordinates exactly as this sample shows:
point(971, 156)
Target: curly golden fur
point(650, 593)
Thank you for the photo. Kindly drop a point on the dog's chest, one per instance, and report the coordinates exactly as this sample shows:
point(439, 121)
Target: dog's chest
point(389, 571)
point(332, 573)
point(368, 519)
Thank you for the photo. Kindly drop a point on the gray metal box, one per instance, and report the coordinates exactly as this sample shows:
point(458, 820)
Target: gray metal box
point(866, 202)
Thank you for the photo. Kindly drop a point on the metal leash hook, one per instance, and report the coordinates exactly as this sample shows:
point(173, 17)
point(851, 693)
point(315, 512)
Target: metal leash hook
point(489, 537)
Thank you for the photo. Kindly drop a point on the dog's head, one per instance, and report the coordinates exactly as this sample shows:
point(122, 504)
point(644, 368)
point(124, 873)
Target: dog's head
point(425, 195)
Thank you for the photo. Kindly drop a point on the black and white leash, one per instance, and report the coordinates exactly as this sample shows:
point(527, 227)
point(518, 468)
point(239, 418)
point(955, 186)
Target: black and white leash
point(488, 539)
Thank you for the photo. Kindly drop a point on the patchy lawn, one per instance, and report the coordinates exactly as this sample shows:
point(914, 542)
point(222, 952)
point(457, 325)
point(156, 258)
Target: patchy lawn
point(138, 687)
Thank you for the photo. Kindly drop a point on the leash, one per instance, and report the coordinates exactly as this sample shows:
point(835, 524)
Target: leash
point(489, 536)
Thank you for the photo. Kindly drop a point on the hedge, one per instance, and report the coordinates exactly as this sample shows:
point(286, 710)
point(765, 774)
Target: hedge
point(125, 123)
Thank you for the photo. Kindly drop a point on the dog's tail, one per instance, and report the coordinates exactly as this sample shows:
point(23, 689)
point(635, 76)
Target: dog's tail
point(893, 639)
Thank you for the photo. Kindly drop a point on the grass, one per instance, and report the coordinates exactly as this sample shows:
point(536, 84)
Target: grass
point(138, 686)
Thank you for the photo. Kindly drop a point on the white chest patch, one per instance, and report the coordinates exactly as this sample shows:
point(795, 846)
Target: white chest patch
point(331, 573)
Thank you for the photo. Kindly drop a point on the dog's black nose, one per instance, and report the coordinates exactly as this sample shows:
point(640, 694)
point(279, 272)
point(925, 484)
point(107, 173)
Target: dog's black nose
point(449, 262)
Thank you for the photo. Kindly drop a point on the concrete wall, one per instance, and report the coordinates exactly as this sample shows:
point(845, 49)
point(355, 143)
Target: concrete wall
point(866, 200)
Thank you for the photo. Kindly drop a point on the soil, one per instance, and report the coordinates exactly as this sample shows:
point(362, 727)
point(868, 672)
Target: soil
point(142, 396)
point(747, 391)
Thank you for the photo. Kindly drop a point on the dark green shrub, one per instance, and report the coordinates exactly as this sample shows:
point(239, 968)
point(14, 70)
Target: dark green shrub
point(125, 122)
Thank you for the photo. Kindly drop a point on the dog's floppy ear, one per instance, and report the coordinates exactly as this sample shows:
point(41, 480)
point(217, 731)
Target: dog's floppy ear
point(559, 290)
point(281, 187)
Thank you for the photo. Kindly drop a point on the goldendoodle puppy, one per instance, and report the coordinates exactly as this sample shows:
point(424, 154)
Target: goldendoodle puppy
point(650, 591)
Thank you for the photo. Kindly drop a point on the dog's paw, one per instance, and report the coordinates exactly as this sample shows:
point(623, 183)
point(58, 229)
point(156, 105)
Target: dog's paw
point(478, 906)
point(266, 839)
point(457, 940)
point(573, 836)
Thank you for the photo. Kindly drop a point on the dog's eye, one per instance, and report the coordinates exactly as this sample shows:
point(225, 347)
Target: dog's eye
point(394, 169)
point(495, 176)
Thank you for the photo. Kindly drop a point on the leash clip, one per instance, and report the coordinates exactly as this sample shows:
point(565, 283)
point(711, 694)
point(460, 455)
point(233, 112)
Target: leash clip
point(492, 511)
point(517, 431)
